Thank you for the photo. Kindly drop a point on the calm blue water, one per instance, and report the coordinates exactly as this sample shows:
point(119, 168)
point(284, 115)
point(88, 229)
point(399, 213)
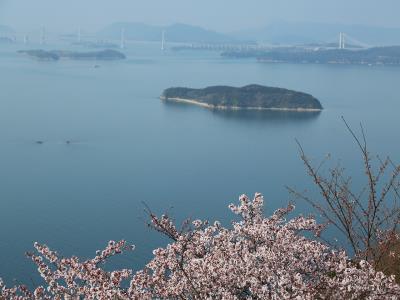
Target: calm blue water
point(127, 147)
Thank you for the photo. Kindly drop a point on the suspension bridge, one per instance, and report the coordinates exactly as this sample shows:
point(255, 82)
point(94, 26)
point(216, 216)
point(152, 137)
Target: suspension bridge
point(42, 36)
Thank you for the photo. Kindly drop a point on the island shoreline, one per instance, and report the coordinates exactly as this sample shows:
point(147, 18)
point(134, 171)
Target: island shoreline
point(222, 107)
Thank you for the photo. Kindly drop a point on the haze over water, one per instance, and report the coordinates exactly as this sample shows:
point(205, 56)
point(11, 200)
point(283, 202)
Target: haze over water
point(127, 147)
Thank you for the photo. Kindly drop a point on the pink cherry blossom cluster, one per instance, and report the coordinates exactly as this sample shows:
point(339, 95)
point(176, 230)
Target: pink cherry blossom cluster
point(257, 257)
point(68, 278)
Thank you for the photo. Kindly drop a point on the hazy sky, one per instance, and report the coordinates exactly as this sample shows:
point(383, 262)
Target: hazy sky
point(222, 15)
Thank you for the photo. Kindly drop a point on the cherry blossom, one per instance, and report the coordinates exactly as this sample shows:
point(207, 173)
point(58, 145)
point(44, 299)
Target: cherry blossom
point(256, 257)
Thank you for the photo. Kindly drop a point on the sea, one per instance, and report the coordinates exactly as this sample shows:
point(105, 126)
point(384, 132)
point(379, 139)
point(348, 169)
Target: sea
point(85, 151)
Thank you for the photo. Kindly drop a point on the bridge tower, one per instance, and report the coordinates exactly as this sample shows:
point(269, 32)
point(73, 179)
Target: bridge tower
point(163, 41)
point(341, 40)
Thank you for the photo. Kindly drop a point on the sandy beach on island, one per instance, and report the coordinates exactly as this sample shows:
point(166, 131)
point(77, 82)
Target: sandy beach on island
point(209, 106)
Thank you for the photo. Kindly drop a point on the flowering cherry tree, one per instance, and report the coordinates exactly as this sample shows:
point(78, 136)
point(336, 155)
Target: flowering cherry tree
point(257, 257)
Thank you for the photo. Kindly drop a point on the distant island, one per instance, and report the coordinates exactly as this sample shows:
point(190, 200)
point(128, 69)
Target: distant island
point(6, 30)
point(248, 97)
point(6, 40)
point(55, 55)
point(371, 56)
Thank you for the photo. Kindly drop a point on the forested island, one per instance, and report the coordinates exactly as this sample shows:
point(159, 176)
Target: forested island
point(248, 97)
point(55, 55)
point(370, 56)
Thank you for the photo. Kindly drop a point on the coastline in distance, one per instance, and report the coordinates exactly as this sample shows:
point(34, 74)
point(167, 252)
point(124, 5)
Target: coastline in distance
point(55, 55)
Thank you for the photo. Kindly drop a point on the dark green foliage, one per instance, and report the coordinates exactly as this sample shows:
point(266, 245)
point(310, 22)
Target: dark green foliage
point(377, 55)
point(253, 96)
point(41, 54)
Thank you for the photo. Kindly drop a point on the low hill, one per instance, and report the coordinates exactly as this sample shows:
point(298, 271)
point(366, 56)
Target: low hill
point(59, 54)
point(6, 30)
point(371, 56)
point(248, 97)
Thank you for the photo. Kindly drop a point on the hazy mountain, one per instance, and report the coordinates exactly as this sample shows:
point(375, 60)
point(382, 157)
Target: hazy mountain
point(6, 30)
point(294, 33)
point(173, 33)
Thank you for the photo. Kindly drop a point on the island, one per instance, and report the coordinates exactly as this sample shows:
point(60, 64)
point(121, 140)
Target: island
point(389, 55)
point(6, 40)
point(41, 54)
point(55, 55)
point(248, 97)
